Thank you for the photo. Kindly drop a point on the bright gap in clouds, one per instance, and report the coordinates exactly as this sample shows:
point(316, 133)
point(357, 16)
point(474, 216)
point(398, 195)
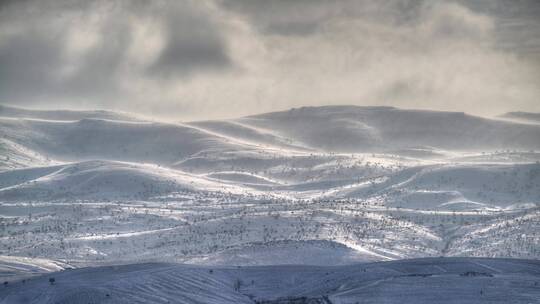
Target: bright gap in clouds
point(225, 58)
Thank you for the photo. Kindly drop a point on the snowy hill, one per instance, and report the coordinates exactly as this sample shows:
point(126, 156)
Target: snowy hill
point(457, 187)
point(357, 129)
point(14, 112)
point(98, 180)
point(313, 186)
point(448, 280)
point(109, 136)
point(109, 140)
point(522, 116)
point(238, 130)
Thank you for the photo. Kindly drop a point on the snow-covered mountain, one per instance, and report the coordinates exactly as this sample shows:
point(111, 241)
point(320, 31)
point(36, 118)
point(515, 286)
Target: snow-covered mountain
point(522, 116)
point(315, 186)
point(75, 136)
point(62, 115)
point(367, 129)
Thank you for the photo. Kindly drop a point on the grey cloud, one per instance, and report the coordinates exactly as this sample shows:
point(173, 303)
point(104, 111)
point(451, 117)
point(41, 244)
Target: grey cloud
point(34, 48)
point(192, 43)
point(185, 54)
point(517, 21)
point(284, 17)
point(28, 62)
point(224, 58)
point(33, 55)
point(304, 17)
point(100, 66)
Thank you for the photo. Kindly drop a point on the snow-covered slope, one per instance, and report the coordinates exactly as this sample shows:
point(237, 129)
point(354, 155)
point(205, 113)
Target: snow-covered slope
point(14, 112)
point(106, 135)
point(443, 280)
point(286, 252)
point(94, 188)
point(235, 129)
point(99, 180)
point(13, 156)
point(17, 268)
point(522, 116)
point(457, 187)
point(357, 129)
point(110, 140)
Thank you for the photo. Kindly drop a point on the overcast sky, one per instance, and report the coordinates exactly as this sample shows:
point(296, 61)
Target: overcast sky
point(205, 59)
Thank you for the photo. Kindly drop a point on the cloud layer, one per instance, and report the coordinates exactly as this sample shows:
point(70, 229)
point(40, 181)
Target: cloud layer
point(221, 58)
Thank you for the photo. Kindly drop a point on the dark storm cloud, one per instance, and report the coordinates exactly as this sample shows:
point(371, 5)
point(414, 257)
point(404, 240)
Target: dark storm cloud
point(33, 54)
point(192, 44)
point(27, 64)
point(305, 17)
point(216, 58)
point(519, 25)
point(35, 38)
point(517, 21)
point(284, 17)
point(98, 68)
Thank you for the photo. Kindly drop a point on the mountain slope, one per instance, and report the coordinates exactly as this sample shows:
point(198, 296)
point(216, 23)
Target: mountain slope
point(456, 187)
point(270, 188)
point(448, 280)
point(106, 136)
point(357, 129)
point(522, 116)
point(111, 140)
point(99, 180)
point(14, 112)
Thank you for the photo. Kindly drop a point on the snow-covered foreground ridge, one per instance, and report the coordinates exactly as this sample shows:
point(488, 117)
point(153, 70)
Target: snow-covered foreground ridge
point(436, 280)
point(319, 186)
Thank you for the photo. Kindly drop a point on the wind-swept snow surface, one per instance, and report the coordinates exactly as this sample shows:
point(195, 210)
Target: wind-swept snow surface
point(442, 280)
point(324, 186)
point(360, 129)
point(522, 116)
point(62, 115)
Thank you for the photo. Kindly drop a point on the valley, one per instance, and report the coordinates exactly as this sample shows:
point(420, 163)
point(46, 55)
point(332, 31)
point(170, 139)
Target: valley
point(98, 189)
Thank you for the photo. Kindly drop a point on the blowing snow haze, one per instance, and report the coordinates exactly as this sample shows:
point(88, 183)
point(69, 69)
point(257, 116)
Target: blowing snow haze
point(193, 60)
point(261, 151)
